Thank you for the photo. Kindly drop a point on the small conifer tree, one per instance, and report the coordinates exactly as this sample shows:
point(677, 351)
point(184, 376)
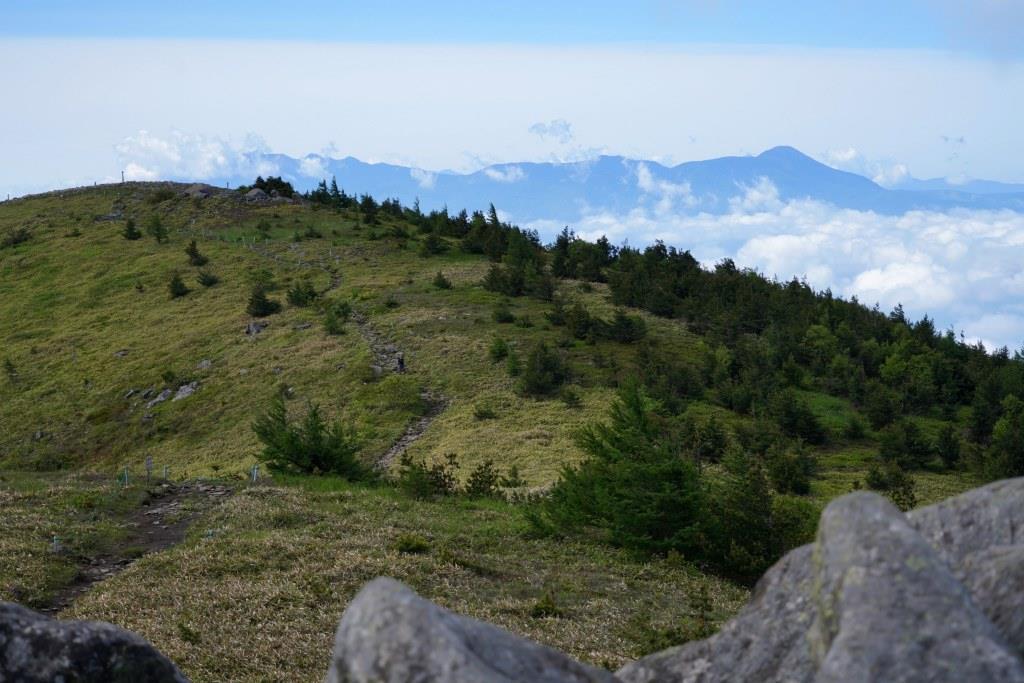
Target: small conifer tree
point(156, 229)
point(177, 286)
point(260, 306)
point(131, 232)
point(194, 257)
point(207, 279)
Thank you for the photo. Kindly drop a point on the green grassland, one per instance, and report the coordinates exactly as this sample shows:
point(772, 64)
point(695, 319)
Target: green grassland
point(255, 591)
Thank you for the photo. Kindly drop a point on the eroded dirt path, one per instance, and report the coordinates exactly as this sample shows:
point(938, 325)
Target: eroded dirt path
point(159, 523)
point(386, 357)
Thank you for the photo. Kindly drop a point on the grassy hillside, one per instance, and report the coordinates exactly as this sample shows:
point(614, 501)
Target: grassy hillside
point(91, 335)
point(88, 319)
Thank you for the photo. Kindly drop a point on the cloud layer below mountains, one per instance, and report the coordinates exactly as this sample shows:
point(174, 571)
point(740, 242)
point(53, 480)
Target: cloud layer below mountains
point(963, 268)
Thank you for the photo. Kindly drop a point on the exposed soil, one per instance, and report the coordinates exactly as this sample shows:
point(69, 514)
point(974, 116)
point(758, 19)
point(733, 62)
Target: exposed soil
point(160, 523)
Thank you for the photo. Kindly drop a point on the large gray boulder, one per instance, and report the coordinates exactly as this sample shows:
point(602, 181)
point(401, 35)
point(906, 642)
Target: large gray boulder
point(889, 608)
point(389, 634)
point(936, 595)
point(995, 580)
point(980, 519)
point(37, 649)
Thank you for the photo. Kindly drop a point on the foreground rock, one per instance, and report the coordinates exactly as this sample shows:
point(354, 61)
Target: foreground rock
point(37, 649)
point(936, 595)
point(390, 634)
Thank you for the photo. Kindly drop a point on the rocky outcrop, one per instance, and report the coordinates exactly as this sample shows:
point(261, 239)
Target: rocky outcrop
point(389, 634)
point(37, 649)
point(934, 595)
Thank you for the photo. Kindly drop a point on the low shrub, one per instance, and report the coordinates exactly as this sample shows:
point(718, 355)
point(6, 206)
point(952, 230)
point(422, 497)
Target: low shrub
point(484, 413)
point(336, 314)
point(302, 294)
point(422, 481)
point(483, 481)
point(312, 446)
point(499, 349)
point(441, 282)
point(412, 544)
point(177, 286)
point(546, 607)
point(502, 313)
point(544, 372)
point(15, 237)
point(260, 306)
point(206, 278)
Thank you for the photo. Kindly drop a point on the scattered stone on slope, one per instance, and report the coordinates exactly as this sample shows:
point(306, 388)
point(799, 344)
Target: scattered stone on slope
point(389, 634)
point(186, 390)
point(160, 398)
point(198, 191)
point(255, 327)
point(37, 649)
point(204, 364)
point(256, 195)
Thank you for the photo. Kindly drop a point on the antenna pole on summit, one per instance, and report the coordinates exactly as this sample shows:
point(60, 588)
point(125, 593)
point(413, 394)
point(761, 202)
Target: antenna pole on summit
point(122, 177)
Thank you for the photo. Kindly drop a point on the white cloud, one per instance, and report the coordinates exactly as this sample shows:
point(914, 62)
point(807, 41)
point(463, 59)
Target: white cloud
point(961, 267)
point(759, 197)
point(559, 130)
point(313, 166)
point(667, 194)
point(425, 179)
point(135, 171)
point(506, 174)
point(885, 172)
point(146, 156)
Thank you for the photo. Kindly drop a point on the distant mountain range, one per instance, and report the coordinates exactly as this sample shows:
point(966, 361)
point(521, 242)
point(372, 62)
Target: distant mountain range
point(529, 192)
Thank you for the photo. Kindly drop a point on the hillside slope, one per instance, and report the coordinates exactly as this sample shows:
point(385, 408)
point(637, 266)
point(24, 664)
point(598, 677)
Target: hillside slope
point(90, 329)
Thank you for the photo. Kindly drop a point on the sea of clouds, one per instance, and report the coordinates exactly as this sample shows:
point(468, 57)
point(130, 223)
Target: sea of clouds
point(963, 268)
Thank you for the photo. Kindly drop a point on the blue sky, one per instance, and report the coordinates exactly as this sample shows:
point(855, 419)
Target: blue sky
point(869, 24)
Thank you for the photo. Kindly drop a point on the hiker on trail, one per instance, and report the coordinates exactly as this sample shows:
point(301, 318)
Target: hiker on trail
point(401, 362)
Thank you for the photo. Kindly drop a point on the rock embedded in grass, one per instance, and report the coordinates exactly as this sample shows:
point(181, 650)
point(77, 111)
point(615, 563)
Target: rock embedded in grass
point(37, 649)
point(390, 634)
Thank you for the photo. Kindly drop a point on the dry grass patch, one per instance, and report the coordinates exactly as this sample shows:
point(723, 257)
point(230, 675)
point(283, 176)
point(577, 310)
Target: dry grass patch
point(257, 592)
